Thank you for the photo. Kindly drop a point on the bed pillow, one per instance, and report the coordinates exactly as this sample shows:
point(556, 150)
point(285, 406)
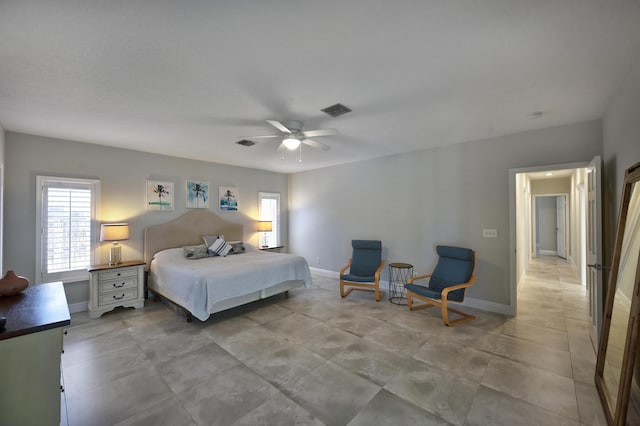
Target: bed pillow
point(195, 252)
point(220, 247)
point(209, 239)
point(237, 247)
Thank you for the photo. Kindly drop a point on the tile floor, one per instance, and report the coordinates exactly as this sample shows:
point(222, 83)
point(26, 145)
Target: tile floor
point(315, 359)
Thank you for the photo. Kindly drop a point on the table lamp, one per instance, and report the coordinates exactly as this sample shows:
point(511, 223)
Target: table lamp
point(264, 226)
point(114, 232)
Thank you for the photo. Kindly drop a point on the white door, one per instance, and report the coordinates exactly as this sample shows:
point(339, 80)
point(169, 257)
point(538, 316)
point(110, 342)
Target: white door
point(561, 224)
point(594, 248)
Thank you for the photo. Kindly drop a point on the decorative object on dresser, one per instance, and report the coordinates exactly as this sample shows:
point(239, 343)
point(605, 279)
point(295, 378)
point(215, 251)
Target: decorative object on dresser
point(114, 232)
point(30, 348)
point(12, 284)
point(113, 286)
point(264, 226)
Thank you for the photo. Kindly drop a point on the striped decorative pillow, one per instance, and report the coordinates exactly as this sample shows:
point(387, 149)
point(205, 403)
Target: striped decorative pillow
point(220, 247)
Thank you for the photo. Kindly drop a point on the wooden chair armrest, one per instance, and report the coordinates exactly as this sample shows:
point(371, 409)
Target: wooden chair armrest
point(447, 290)
point(342, 271)
point(379, 270)
point(418, 277)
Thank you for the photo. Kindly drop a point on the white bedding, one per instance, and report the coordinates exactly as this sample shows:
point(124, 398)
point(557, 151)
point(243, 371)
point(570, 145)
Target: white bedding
point(203, 285)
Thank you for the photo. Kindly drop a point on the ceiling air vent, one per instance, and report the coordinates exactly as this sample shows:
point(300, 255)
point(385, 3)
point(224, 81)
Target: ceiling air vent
point(245, 142)
point(336, 110)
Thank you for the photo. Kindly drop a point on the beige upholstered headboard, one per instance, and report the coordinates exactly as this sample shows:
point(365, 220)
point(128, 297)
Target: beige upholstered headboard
point(187, 230)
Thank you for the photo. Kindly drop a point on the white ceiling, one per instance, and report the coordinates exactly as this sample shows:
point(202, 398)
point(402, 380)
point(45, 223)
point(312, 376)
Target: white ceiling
point(190, 78)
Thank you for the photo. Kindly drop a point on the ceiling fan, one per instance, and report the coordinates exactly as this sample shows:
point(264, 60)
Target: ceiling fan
point(294, 136)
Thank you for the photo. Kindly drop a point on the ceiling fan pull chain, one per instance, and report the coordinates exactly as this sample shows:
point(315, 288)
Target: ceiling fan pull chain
point(300, 159)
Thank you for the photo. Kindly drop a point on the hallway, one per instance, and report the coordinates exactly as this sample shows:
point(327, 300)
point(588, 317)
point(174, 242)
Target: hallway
point(553, 312)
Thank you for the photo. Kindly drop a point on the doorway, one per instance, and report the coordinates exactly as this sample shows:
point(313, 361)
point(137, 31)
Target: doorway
point(550, 224)
point(577, 239)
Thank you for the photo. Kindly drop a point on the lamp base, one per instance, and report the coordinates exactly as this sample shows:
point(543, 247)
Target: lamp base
point(115, 254)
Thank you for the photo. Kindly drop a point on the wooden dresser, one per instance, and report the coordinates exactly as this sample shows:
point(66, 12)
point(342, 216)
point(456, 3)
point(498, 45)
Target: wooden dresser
point(30, 349)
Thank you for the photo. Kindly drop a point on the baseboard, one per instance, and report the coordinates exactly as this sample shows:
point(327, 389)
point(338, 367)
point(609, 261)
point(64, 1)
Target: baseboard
point(78, 307)
point(549, 252)
point(484, 305)
point(325, 272)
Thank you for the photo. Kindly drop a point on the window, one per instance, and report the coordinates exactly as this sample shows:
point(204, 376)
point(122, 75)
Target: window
point(269, 207)
point(66, 227)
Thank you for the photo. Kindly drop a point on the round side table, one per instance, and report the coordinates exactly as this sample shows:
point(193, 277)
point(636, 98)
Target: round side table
point(399, 273)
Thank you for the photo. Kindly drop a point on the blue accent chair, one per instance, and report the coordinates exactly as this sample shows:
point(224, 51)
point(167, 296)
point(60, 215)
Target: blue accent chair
point(454, 272)
point(364, 267)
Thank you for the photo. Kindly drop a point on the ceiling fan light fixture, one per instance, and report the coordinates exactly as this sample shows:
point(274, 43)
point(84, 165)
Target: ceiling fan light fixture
point(291, 142)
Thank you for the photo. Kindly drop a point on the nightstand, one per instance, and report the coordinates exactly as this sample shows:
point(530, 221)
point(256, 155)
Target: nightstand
point(276, 249)
point(111, 286)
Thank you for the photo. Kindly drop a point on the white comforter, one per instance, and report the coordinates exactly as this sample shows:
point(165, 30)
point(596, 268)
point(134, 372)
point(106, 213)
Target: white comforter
point(198, 285)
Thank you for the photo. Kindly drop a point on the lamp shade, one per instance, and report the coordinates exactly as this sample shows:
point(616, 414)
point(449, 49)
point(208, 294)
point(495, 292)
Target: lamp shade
point(264, 226)
point(291, 142)
point(114, 231)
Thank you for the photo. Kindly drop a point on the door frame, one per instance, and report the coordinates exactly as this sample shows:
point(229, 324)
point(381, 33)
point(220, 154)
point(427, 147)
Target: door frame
point(513, 266)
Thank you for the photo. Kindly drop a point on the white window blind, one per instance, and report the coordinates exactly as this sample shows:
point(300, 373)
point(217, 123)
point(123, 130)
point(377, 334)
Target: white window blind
point(269, 206)
point(66, 229)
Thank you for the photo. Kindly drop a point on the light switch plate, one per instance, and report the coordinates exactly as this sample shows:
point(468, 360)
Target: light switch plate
point(490, 233)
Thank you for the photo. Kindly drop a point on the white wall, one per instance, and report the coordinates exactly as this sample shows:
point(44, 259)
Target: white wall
point(123, 175)
point(413, 202)
point(621, 149)
point(551, 186)
point(1, 196)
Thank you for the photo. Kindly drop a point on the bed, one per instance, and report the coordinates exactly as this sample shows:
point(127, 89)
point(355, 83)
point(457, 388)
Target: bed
point(205, 286)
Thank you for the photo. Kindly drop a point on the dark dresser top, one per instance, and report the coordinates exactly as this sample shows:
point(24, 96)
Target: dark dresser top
point(39, 307)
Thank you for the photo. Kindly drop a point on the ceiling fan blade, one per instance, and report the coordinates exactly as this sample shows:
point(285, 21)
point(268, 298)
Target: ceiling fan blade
point(261, 136)
point(278, 125)
point(320, 132)
point(316, 144)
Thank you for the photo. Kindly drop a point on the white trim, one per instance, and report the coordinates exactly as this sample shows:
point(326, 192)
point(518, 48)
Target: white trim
point(276, 232)
point(325, 272)
point(71, 276)
point(484, 305)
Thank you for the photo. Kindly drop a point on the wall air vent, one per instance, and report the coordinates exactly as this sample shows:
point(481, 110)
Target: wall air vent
point(336, 110)
point(246, 142)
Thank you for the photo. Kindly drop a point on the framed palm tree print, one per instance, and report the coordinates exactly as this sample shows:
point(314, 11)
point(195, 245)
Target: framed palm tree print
point(160, 196)
point(228, 199)
point(197, 194)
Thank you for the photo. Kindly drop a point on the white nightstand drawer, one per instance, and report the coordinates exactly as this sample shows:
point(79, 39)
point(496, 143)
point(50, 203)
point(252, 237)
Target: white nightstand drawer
point(118, 296)
point(117, 273)
point(122, 284)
